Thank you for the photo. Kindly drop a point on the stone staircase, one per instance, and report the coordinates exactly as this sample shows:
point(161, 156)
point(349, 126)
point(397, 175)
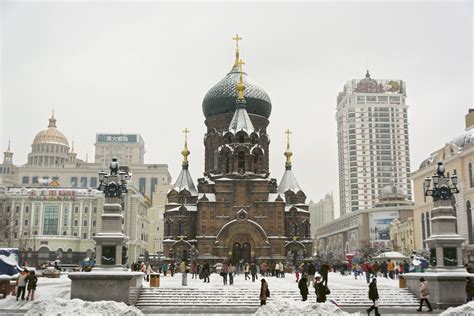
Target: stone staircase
point(240, 299)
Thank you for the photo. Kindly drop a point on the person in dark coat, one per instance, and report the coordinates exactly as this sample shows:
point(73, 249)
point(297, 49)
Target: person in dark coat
point(321, 290)
point(311, 273)
point(303, 286)
point(32, 280)
point(324, 273)
point(264, 292)
point(374, 297)
point(253, 271)
point(206, 271)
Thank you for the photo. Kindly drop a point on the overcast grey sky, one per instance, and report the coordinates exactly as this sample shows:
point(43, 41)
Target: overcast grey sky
point(145, 68)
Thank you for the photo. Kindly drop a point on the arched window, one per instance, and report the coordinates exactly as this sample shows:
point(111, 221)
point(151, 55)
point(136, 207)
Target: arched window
point(241, 162)
point(306, 230)
point(181, 229)
point(470, 224)
point(169, 228)
point(423, 231)
point(241, 139)
point(227, 164)
point(471, 182)
point(293, 229)
point(255, 163)
point(428, 225)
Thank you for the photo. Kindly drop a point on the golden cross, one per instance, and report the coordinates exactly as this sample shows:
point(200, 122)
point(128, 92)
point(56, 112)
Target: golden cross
point(186, 132)
point(288, 133)
point(240, 62)
point(237, 38)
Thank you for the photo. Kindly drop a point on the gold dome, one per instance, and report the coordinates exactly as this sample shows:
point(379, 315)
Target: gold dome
point(51, 135)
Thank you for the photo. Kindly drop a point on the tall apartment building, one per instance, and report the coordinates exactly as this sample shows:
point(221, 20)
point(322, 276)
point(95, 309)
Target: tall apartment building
point(129, 149)
point(321, 212)
point(372, 131)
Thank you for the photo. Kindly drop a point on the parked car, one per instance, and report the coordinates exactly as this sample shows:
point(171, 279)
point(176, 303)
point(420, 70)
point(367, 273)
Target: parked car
point(216, 268)
point(50, 272)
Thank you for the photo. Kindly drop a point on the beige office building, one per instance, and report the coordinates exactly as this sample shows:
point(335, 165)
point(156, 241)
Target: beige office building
point(53, 163)
point(321, 212)
point(457, 156)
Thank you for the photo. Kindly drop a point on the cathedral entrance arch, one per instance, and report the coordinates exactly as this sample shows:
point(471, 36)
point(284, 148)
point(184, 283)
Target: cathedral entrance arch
point(295, 252)
point(243, 238)
point(241, 253)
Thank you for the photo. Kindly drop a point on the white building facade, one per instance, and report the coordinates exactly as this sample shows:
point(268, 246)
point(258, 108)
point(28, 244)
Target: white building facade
point(321, 212)
point(373, 143)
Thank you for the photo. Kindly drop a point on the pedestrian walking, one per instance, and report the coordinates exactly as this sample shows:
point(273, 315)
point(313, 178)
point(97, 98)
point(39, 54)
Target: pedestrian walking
point(324, 273)
point(424, 295)
point(264, 292)
point(172, 268)
point(321, 290)
point(184, 272)
point(206, 271)
point(21, 284)
point(469, 289)
point(148, 271)
point(276, 270)
point(297, 274)
point(282, 270)
point(253, 271)
point(194, 270)
point(374, 297)
point(32, 281)
point(224, 272)
point(246, 271)
point(303, 286)
point(311, 273)
point(164, 266)
point(231, 271)
point(391, 269)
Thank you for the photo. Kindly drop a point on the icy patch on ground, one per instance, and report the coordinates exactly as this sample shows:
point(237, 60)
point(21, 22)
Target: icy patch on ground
point(281, 307)
point(59, 306)
point(466, 309)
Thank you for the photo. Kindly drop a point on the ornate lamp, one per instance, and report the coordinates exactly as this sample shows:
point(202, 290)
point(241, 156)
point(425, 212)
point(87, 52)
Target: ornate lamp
point(441, 190)
point(113, 184)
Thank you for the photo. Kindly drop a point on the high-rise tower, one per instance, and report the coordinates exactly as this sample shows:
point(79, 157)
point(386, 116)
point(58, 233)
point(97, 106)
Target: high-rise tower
point(372, 135)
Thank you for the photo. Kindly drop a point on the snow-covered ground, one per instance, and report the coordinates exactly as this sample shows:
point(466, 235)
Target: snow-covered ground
point(335, 280)
point(463, 310)
point(54, 295)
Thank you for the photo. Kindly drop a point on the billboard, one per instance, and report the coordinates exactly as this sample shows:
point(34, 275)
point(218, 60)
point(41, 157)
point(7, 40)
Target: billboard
point(118, 138)
point(379, 228)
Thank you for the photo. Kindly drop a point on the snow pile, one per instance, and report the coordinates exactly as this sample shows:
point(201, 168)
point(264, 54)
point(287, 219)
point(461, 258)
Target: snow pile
point(59, 306)
point(281, 307)
point(466, 309)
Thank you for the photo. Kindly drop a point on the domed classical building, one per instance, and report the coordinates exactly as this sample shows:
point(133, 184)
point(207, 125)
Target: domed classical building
point(50, 147)
point(237, 211)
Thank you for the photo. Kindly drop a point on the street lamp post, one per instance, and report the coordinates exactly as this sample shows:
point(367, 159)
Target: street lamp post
point(110, 242)
point(444, 243)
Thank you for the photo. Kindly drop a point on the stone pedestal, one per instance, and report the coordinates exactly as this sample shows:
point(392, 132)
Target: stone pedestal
point(110, 241)
point(447, 289)
point(118, 286)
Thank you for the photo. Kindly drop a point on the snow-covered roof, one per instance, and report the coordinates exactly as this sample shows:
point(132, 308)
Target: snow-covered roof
point(289, 207)
point(185, 182)
point(210, 196)
point(190, 208)
point(241, 121)
point(273, 196)
point(288, 183)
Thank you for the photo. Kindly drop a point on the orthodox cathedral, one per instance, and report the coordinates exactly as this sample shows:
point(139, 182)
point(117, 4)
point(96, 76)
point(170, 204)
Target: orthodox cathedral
point(236, 211)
